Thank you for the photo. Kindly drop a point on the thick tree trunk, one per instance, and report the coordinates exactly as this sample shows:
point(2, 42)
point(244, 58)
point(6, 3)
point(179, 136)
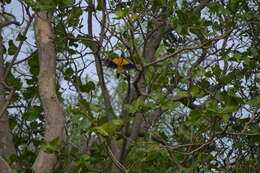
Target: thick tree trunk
point(6, 142)
point(54, 116)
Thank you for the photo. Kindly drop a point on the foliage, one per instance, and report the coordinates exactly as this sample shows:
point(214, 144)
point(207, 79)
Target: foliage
point(199, 107)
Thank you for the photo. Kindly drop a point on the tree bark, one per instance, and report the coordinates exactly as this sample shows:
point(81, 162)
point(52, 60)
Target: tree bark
point(54, 116)
point(6, 141)
point(159, 27)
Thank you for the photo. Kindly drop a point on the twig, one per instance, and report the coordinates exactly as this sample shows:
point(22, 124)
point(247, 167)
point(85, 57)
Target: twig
point(4, 24)
point(254, 117)
point(115, 161)
point(243, 134)
point(193, 151)
point(6, 164)
point(188, 48)
point(7, 102)
point(19, 47)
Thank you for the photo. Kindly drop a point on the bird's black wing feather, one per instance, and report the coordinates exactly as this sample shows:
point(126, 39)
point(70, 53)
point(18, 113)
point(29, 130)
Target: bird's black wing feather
point(128, 66)
point(110, 64)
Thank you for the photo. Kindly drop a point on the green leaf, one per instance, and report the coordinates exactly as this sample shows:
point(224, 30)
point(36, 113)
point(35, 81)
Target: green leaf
point(31, 81)
point(182, 93)
point(14, 81)
point(12, 48)
point(33, 63)
point(84, 124)
point(254, 101)
point(76, 13)
point(216, 71)
point(2, 49)
point(52, 146)
point(33, 114)
point(196, 92)
point(212, 105)
point(7, 1)
point(83, 160)
point(214, 7)
point(121, 13)
point(229, 109)
point(169, 105)
point(130, 108)
point(84, 104)
point(204, 84)
point(67, 2)
point(225, 117)
point(30, 3)
point(73, 20)
point(199, 72)
point(109, 128)
point(179, 29)
point(21, 37)
point(134, 107)
point(100, 5)
point(101, 130)
point(69, 71)
point(195, 116)
point(30, 92)
point(89, 86)
point(156, 5)
point(228, 78)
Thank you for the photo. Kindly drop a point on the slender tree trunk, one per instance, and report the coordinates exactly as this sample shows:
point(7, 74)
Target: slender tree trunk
point(54, 116)
point(158, 28)
point(6, 142)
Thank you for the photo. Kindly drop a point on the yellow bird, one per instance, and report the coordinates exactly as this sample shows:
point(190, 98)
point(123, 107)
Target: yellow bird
point(120, 64)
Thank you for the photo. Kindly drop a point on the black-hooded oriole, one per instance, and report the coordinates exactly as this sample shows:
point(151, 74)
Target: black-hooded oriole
point(120, 64)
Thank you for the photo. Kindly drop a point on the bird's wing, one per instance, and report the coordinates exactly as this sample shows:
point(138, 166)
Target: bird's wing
point(129, 66)
point(121, 61)
point(110, 64)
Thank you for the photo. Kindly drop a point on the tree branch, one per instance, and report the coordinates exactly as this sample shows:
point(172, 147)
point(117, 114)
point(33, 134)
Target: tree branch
point(211, 41)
